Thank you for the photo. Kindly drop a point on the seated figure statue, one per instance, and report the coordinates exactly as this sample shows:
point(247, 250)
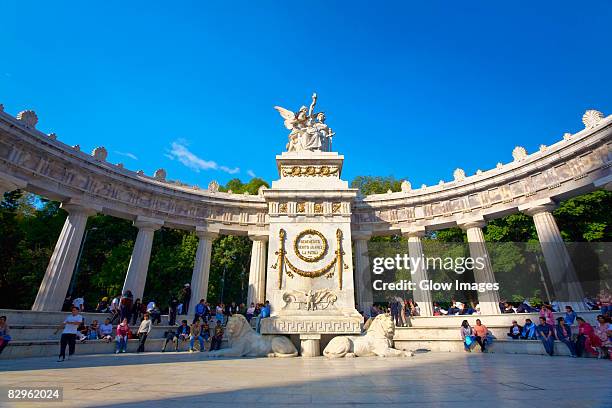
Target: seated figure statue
point(244, 342)
point(377, 341)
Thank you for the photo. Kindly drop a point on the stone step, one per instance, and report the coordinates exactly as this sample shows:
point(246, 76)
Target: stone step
point(498, 346)
point(490, 320)
point(33, 317)
point(47, 331)
point(443, 333)
point(47, 348)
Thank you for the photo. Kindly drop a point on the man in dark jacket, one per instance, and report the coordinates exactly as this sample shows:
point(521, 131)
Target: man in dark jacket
point(182, 333)
point(185, 297)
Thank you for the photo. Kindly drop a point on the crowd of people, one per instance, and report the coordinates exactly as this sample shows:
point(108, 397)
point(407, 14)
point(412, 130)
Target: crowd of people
point(207, 327)
point(585, 339)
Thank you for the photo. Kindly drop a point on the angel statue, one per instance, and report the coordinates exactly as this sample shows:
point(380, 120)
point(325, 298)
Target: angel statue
point(308, 130)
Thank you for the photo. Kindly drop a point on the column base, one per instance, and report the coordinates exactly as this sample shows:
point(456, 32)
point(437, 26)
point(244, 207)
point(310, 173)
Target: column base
point(310, 345)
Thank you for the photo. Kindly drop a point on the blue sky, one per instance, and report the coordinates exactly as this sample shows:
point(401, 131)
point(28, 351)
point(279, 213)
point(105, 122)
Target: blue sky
point(412, 89)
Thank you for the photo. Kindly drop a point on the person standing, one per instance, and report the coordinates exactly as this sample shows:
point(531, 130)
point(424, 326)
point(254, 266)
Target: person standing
point(250, 312)
point(69, 334)
point(200, 308)
point(4, 333)
point(265, 312)
point(545, 332)
point(143, 332)
point(126, 304)
point(136, 311)
point(172, 310)
point(185, 297)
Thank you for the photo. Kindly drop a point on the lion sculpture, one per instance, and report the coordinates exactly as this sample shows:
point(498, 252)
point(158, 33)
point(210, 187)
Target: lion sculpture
point(377, 341)
point(244, 342)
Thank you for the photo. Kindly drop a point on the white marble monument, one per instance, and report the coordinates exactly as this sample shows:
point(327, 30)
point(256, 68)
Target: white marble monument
point(310, 269)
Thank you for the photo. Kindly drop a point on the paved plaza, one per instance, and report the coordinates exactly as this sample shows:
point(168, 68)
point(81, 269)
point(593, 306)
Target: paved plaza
point(426, 380)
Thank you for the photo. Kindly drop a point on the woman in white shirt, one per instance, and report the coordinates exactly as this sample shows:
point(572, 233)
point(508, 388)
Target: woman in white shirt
point(70, 325)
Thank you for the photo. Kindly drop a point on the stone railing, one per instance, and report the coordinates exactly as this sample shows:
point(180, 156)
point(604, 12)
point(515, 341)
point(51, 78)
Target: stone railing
point(577, 164)
point(41, 164)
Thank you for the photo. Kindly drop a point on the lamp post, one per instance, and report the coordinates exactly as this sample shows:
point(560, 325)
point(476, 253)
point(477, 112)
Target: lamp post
point(78, 264)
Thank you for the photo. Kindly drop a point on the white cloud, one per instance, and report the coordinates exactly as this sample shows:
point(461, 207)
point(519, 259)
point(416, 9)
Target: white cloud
point(127, 154)
point(251, 174)
point(180, 152)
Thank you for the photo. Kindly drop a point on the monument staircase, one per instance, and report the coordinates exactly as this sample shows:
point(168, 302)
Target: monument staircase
point(33, 335)
point(441, 333)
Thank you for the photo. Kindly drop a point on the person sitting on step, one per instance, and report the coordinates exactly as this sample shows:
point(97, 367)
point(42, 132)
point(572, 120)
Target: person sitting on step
point(480, 335)
point(181, 334)
point(515, 330)
point(563, 333)
point(106, 330)
point(196, 334)
point(217, 337)
point(529, 330)
point(545, 333)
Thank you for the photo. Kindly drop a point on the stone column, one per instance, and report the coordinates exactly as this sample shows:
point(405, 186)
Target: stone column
point(53, 289)
point(489, 300)
point(419, 272)
point(566, 286)
point(136, 276)
point(363, 276)
point(201, 269)
point(257, 271)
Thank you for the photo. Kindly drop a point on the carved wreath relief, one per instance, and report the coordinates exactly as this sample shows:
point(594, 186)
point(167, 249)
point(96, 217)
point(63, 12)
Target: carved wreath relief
point(310, 246)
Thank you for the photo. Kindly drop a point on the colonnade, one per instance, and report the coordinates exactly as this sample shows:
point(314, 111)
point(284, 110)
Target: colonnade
point(562, 274)
point(57, 278)
point(58, 275)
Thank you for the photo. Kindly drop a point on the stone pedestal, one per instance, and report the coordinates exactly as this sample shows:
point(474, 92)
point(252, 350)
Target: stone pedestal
point(53, 289)
point(309, 280)
point(201, 270)
point(310, 345)
point(136, 276)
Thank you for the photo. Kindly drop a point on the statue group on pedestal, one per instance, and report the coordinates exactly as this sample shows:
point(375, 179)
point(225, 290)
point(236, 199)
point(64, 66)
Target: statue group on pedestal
point(308, 129)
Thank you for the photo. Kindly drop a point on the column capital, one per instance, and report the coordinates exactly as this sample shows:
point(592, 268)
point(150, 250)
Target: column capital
point(538, 206)
point(604, 182)
point(361, 235)
point(418, 232)
point(145, 223)
point(10, 183)
point(203, 232)
point(259, 236)
point(474, 222)
point(76, 206)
